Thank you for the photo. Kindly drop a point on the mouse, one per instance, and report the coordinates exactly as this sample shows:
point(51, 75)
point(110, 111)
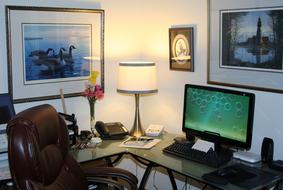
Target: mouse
point(226, 172)
point(215, 179)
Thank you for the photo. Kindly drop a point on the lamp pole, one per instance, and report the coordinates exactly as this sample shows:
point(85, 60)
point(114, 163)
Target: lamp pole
point(137, 129)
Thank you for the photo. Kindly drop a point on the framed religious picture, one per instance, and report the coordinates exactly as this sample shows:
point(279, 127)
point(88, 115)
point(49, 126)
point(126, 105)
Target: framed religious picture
point(181, 49)
point(246, 44)
point(51, 49)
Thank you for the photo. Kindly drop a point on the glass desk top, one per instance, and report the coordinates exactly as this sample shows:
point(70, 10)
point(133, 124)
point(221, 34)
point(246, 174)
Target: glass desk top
point(155, 155)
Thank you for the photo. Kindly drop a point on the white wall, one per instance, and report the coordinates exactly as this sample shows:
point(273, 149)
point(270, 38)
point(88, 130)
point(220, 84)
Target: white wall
point(138, 30)
point(145, 24)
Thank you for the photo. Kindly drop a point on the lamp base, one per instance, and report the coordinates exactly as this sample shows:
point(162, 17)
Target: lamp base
point(137, 129)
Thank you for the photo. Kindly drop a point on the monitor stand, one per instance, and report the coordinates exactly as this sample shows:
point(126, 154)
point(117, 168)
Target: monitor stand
point(222, 151)
point(189, 139)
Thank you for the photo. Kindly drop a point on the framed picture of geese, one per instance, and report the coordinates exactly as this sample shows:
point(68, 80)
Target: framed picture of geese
point(51, 49)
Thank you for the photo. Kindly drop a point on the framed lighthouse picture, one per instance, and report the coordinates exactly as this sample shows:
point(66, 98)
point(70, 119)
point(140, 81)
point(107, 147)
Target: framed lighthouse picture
point(246, 44)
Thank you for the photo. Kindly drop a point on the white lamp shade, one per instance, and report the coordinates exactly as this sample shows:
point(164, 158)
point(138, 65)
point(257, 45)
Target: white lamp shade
point(137, 77)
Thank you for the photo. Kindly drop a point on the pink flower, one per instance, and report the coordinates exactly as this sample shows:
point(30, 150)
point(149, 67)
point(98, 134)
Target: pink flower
point(97, 87)
point(93, 92)
point(99, 95)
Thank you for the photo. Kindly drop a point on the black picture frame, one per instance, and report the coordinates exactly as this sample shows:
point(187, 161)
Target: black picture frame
point(70, 76)
point(181, 49)
point(242, 51)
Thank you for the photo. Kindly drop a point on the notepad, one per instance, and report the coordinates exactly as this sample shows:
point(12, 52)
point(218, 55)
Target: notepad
point(141, 142)
point(202, 145)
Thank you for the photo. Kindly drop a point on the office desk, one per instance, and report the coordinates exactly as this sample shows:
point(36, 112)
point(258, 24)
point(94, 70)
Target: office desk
point(155, 157)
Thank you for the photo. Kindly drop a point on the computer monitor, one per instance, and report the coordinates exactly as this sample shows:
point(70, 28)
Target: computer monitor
point(222, 116)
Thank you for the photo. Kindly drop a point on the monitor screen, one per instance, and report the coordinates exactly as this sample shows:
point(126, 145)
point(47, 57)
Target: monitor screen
point(219, 115)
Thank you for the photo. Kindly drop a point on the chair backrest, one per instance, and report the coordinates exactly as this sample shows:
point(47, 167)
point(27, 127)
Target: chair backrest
point(38, 152)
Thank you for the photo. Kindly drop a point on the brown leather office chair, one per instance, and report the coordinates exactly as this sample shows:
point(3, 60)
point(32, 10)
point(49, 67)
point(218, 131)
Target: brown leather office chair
point(39, 158)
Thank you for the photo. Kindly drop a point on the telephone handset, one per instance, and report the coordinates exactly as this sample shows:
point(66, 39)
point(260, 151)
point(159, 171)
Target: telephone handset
point(113, 130)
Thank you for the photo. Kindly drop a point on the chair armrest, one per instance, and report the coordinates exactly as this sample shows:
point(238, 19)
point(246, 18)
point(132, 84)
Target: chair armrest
point(112, 172)
point(107, 181)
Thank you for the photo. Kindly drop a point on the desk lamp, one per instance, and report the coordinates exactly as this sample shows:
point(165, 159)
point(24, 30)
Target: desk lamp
point(137, 78)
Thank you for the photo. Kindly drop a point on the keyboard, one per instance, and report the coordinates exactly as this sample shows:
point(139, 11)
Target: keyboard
point(210, 158)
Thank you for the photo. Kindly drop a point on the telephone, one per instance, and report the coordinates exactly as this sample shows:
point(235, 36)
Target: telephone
point(154, 130)
point(85, 134)
point(113, 130)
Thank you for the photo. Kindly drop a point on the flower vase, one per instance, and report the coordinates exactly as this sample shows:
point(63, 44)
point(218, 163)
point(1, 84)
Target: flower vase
point(92, 117)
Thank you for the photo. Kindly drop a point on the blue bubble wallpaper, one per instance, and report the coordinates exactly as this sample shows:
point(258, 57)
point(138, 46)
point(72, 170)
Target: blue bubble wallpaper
point(217, 112)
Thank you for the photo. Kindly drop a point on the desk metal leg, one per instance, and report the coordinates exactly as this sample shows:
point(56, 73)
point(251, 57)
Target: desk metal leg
point(109, 162)
point(172, 179)
point(150, 165)
point(145, 176)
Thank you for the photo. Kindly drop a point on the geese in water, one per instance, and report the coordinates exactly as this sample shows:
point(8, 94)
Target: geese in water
point(54, 63)
point(41, 53)
point(37, 55)
point(68, 57)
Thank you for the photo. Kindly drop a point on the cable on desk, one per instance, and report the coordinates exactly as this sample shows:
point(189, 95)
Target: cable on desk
point(279, 185)
point(116, 159)
point(138, 165)
point(185, 184)
point(204, 187)
point(136, 169)
point(190, 183)
point(154, 185)
point(146, 163)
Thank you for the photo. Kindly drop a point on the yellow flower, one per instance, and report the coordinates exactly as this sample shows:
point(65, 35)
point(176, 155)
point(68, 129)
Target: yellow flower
point(93, 76)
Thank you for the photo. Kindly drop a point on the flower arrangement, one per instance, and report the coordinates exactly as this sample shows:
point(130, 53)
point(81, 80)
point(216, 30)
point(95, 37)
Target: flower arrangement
point(93, 92)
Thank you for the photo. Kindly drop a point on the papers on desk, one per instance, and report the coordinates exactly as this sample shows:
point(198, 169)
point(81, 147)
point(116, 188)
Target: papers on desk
point(3, 138)
point(4, 170)
point(203, 146)
point(3, 156)
point(71, 132)
point(141, 142)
